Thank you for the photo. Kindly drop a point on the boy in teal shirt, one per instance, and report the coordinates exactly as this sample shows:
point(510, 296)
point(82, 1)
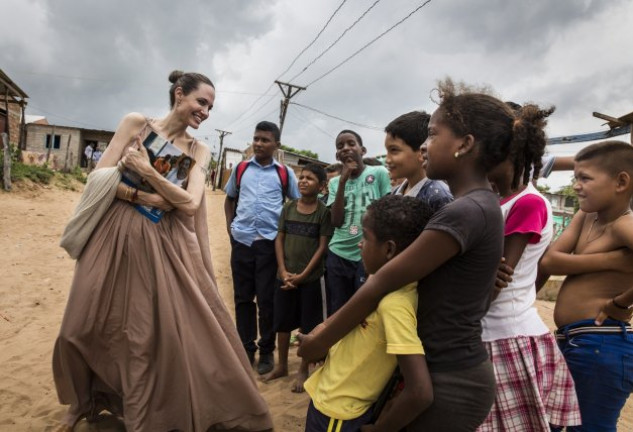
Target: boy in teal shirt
point(349, 195)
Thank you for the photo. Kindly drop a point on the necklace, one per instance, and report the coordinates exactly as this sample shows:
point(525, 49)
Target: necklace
point(604, 228)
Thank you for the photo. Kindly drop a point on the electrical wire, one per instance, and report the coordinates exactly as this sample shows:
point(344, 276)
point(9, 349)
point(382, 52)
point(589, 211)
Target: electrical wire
point(337, 118)
point(313, 40)
point(359, 19)
point(307, 120)
point(370, 42)
point(234, 122)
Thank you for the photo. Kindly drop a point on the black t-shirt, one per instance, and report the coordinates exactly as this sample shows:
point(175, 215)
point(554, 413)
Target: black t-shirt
point(303, 233)
point(455, 297)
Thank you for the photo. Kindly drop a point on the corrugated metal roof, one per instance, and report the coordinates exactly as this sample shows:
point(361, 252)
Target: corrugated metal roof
point(13, 89)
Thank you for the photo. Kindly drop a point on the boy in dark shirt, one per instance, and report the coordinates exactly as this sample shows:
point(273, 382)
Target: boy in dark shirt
point(304, 232)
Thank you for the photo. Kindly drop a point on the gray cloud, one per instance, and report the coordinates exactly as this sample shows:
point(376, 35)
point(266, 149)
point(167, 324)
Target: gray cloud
point(569, 53)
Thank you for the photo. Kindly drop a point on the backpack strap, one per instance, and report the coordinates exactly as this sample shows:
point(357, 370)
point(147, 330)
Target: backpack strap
point(239, 173)
point(282, 172)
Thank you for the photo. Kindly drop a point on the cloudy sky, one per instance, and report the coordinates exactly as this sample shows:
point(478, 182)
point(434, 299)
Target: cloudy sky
point(87, 63)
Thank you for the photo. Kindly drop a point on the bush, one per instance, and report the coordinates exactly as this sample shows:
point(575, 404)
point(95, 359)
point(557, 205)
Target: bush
point(35, 173)
point(78, 174)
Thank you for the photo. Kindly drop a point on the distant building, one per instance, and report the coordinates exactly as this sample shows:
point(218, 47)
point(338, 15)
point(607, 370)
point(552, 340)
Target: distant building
point(563, 210)
point(60, 146)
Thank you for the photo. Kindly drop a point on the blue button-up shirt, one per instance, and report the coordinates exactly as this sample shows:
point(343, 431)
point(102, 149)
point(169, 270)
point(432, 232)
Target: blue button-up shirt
point(260, 201)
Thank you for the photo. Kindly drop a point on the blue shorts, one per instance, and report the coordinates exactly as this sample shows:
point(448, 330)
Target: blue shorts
point(600, 359)
point(319, 422)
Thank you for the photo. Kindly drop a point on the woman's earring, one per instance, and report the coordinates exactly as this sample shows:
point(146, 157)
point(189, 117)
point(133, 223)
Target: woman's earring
point(456, 155)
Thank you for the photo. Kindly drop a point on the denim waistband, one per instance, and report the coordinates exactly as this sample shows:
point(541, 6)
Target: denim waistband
point(610, 326)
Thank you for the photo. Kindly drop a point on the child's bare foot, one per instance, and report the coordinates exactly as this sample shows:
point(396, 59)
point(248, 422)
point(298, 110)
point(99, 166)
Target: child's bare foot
point(297, 387)
point(278, 372)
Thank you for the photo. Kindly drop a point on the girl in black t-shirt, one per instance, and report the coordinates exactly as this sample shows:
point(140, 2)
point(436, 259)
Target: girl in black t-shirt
point(455, 258)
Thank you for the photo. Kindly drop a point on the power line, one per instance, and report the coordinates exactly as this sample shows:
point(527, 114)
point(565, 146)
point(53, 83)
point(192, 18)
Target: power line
point(307, 120)
point(237, 121)
point(371, 42)
point(252, 126)
point(338, 118)
point(337, 40)
point(313, 40)
point(288, 68)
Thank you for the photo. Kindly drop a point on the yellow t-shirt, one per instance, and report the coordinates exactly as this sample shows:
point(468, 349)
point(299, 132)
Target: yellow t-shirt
point(358, 367)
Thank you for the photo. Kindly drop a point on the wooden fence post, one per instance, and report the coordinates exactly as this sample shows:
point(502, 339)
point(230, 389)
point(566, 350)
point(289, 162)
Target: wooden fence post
point(67, 152)
point(7, 161)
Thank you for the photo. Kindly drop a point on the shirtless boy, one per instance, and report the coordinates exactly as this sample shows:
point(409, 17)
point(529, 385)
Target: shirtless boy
point(595, 302)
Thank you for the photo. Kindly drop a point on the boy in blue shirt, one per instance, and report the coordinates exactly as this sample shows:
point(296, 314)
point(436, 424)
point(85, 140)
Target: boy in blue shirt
point(252, 227)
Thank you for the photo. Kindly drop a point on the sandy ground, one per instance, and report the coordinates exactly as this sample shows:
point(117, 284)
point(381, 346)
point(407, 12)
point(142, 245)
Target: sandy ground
point(36, 275)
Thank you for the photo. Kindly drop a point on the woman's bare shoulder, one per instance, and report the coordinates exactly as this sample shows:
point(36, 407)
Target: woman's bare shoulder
point(132, 120)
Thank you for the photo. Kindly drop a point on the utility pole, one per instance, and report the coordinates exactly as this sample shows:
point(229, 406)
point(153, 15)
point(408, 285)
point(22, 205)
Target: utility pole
point(219, 168)
point(288, 90)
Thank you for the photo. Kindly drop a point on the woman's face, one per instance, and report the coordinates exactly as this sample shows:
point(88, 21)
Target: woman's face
point(196, 106)
point(438, 151)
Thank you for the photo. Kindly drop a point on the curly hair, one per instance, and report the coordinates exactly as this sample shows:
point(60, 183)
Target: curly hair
point(499, 131)
point(528, 144)
point(398, 218)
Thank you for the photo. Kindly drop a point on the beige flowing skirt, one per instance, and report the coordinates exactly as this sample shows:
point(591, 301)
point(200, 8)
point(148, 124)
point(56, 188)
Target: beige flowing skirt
point(146, 335)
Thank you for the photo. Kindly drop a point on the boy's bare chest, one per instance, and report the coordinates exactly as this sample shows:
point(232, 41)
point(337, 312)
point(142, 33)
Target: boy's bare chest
point(596, 237)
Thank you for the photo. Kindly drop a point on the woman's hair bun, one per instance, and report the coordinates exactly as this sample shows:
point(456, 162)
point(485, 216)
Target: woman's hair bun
point(175, 75)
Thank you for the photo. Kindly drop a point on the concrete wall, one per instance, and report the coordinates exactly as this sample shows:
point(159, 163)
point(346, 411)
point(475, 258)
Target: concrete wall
point(36, 151)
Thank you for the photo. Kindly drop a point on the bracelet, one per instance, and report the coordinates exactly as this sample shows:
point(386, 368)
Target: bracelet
point(619, 306)
point(135, 195)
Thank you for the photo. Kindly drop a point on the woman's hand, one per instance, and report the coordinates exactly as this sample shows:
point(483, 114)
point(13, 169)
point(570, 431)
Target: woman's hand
point(154, 200)
point(137, 159)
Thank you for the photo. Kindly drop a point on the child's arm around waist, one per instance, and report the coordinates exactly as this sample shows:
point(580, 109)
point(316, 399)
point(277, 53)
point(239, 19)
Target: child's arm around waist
point(428, 252)
point(416, 396)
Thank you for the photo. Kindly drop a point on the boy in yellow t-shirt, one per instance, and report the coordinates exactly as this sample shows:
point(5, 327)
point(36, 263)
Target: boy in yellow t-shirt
point(357, 368)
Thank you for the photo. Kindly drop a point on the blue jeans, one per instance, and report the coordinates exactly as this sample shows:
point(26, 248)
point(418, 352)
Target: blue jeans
point(602, 367)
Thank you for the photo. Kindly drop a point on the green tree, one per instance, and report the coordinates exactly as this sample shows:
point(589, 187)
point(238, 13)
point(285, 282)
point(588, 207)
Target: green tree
point(307, 153)
point(570, 195)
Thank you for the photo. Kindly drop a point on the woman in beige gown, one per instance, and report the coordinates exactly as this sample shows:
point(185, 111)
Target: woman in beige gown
point(145, 334)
